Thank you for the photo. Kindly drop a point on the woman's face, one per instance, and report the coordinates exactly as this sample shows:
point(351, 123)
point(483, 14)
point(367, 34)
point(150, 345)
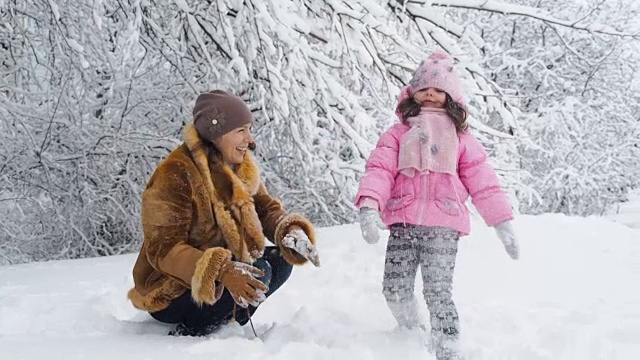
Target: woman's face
point(431, 97)
point(233, 145)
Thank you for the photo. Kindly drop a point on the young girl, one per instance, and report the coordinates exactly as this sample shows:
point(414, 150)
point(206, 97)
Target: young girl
point(419, 177)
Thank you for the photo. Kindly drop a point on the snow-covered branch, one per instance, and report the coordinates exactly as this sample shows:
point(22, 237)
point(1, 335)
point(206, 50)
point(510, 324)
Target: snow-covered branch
point(93, 95)
point(531, 12)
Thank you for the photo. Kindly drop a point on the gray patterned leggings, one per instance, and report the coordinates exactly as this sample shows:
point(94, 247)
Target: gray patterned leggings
point(434, 249)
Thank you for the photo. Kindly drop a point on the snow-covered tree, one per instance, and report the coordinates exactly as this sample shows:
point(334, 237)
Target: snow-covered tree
point(575, 85)
point(94, 94)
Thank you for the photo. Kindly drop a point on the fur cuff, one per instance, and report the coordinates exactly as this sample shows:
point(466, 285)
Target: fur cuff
point(203, 282)
point(282, 229)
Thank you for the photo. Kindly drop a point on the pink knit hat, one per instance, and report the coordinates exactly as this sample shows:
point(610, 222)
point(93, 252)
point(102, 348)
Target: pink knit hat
point(437, 72)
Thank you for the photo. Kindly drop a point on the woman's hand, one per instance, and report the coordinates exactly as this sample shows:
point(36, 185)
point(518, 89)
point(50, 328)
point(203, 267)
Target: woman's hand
point(239, 279)
point(298, 241)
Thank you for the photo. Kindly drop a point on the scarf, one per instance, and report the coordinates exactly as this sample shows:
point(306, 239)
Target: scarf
point(430, 145)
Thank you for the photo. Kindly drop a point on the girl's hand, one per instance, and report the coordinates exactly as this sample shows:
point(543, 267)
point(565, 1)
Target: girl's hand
point(370, 224)
point(507, 235)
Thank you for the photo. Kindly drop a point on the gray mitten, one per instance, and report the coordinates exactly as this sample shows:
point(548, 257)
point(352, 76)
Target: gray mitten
point(507, 235)
point(370, 224)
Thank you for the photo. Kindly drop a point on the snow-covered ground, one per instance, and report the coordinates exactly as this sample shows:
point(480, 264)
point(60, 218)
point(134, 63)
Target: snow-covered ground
point(574, 294)
point(628, 212)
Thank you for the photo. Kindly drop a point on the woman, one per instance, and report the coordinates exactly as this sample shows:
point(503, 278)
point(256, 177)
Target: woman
point(205, 216)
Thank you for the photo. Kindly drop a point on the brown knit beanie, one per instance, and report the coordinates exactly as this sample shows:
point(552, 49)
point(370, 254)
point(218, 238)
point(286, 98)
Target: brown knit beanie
point(218, 112)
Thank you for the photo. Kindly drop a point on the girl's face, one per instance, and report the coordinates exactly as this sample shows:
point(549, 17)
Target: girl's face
point(233, 145)
point(431, 98)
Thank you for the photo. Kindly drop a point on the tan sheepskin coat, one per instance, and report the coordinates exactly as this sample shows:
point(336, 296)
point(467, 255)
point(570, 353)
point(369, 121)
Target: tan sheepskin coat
point(196, 214)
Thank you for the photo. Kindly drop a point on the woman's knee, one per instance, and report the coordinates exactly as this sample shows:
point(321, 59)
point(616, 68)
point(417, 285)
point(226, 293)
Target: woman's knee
point(281, 271)
point(286, 270)
point(265, 266)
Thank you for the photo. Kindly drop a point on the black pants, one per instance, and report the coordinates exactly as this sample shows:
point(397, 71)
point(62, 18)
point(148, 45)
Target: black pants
point(194, 320)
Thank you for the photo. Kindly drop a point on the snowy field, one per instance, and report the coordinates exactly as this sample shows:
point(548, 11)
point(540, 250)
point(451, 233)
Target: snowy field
point(574, 294)
point(627, 213)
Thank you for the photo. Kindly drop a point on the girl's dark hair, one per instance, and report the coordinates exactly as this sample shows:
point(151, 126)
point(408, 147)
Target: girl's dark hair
point(409, 107)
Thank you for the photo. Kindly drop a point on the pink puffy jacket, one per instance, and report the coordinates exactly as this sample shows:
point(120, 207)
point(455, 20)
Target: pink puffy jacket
point(433, 199)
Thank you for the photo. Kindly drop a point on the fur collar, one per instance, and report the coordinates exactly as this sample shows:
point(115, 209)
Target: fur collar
point(231, 193)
